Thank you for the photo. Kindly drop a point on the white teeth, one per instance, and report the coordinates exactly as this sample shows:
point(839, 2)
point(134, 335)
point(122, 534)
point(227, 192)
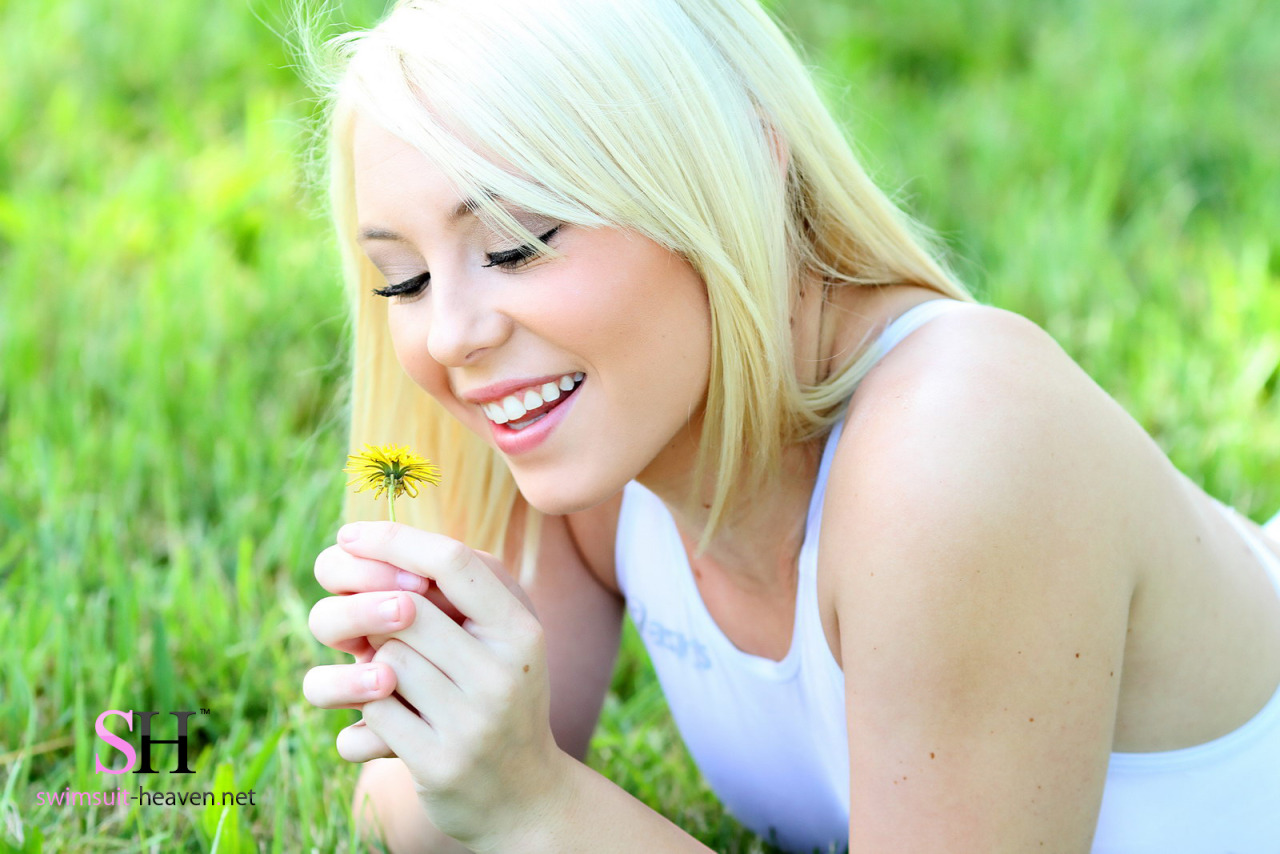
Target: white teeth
point(515, 409)
point(514, 406)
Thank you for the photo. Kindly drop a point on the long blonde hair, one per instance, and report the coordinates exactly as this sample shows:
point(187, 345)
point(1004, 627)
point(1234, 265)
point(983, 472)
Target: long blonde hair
point(659, 116)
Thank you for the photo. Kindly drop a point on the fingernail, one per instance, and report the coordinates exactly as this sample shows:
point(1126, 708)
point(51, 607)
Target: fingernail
point(350, 532)
point(390, 609)
point(370, 678)
point(410, 581)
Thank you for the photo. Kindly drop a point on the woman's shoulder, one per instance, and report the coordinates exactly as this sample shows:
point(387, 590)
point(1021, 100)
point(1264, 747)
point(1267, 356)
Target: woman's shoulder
point(961, 358)
point(978, 424)
point(974, 375)
point(975, 566)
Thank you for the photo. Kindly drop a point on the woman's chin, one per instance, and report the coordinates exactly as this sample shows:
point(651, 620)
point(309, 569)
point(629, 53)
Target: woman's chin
point(554, 499)
point(557, 504)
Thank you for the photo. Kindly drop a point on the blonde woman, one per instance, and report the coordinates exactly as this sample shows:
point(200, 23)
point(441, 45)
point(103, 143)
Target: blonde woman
point(910, 580)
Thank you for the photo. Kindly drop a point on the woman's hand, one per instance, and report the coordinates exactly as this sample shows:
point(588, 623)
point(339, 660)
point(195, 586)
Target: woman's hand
point(471, 716)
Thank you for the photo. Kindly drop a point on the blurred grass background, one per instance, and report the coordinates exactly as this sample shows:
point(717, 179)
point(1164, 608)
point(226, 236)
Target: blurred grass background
point(172, 352)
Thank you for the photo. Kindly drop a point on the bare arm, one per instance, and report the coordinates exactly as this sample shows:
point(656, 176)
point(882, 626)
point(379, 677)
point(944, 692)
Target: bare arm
point(593, 814)
point(982, 593)
point(386, 807)
point(596, 815)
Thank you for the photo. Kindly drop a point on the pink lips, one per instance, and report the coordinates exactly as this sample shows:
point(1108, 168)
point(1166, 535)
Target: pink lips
point(496, 392)
point(513, 442)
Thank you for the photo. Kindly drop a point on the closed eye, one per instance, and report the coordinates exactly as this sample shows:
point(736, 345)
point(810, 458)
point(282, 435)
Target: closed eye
point(510, 259)
point(407, 287)
point(514, 257)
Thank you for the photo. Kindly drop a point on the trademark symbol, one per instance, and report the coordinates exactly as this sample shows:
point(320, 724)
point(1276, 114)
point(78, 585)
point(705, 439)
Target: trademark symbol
point(204, 711)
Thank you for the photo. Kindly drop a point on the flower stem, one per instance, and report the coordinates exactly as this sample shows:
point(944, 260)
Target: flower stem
point(391, 504)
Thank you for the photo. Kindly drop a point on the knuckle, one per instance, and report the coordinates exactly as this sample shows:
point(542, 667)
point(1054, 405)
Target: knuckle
point(374, 712)
point(421, 606)
point(499, 687)
point(494, 564)
point(507, 687)
point(356, 745)
point(446, 771)
point(391, 532)
point(471, 735)
point(315, 619)
point(455, 556)
point(333, 570)
point(475, 737)
point(527, 630)
point(391, 652)
point(309, 685)
point(347, 749)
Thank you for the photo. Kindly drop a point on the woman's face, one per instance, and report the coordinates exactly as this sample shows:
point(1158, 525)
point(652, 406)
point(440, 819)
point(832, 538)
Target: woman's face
point(623, 311)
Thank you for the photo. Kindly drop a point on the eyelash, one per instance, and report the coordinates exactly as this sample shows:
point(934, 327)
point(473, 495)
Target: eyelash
point(511, 259)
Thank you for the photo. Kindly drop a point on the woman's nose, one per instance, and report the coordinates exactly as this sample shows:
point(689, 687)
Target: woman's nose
point(463, 320)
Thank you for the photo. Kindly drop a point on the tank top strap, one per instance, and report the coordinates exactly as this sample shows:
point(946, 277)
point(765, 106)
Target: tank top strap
point(898, 329)
point(908, 322)
point(811, 640)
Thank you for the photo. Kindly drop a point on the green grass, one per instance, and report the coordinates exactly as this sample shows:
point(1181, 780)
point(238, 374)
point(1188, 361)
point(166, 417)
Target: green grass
point(172, 348)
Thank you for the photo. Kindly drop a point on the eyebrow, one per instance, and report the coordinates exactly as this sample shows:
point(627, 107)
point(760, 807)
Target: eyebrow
point(467, 206)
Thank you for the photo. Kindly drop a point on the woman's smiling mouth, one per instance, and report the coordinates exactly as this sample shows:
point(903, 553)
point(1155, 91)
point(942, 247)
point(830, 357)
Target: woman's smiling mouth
point(532, 426)
point(514, 409)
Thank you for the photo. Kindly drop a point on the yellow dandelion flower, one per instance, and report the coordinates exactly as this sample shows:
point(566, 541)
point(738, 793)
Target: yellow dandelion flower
point(390, 469)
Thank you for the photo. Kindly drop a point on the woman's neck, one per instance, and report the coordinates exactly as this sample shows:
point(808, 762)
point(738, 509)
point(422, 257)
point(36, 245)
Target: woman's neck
point(757, 551)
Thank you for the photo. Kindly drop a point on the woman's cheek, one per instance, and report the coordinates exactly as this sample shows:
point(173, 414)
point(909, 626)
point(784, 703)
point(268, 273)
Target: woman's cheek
point(433, 378)
point(426, 372)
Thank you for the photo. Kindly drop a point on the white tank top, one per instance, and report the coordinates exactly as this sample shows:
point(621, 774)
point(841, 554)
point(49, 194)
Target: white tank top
point(770, 739)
